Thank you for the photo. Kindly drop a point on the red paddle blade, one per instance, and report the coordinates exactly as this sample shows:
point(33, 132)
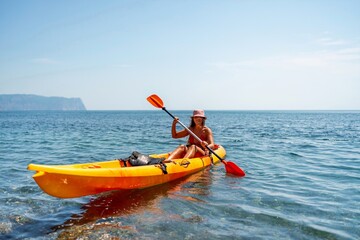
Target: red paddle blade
point(232, 168)
point(156, 101)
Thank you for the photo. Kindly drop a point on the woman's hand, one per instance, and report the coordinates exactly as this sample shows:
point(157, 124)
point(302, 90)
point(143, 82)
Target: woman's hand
point(176, 134)
point(204, 144)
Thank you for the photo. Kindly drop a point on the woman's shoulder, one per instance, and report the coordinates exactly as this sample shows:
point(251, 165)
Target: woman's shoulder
point(207, 129)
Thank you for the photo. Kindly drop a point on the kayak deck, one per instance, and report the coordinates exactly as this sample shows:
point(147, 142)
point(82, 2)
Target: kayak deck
point(77, 180)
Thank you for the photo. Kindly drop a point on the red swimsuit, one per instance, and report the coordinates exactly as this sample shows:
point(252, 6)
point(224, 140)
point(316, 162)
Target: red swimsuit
point(193, 141)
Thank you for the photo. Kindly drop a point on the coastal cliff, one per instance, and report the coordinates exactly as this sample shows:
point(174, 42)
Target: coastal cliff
point(27, 102)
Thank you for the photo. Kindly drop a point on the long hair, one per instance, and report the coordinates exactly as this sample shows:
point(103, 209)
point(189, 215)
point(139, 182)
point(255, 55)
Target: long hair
point(192, 124)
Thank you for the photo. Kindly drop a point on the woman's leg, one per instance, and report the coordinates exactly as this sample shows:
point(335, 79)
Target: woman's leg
point(192, 150)
point(177, 153)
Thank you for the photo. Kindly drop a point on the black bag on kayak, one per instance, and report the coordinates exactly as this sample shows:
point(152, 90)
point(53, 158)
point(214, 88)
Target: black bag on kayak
point(139, 159)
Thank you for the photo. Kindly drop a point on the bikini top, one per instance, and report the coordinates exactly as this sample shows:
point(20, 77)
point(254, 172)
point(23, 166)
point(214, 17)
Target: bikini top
point(202, 136)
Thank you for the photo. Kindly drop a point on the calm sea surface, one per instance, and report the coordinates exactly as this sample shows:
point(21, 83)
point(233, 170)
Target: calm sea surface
point(303, 177)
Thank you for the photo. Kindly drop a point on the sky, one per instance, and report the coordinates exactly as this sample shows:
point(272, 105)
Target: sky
point(213, 54)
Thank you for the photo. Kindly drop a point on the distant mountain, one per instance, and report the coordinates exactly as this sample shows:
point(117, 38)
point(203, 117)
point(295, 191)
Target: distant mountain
point(24, 102)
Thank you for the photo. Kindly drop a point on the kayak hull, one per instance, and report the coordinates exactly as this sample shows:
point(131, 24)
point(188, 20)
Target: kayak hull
point(77, 180)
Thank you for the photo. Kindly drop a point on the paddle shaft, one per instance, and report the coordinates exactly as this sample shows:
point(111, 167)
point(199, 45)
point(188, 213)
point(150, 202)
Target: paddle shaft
point(192, 134)
point(230, 167)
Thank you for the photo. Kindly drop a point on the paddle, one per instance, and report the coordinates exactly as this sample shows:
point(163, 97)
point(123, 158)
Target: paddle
point(230, 167)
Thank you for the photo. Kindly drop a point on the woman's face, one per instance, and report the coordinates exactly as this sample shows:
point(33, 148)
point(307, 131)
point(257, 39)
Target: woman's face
point(198, 121)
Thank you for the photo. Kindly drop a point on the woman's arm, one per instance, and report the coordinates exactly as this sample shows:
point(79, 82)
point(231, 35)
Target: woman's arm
point(209, 138)
point(174, 133)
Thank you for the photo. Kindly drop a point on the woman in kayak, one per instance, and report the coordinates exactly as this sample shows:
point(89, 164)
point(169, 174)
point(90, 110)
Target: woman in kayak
point(193, 147)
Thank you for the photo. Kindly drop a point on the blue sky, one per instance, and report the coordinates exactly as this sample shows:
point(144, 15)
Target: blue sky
point(223, 55)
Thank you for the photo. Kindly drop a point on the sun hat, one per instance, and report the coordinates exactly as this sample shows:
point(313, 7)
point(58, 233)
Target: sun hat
point(199, 113)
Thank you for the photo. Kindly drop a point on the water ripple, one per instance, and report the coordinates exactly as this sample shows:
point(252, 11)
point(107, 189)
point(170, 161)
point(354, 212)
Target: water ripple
point(303, 177)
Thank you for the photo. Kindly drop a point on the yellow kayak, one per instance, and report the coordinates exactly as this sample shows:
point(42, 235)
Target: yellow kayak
point(77, 180)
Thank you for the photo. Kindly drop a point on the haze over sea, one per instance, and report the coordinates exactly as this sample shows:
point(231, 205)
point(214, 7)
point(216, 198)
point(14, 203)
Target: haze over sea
point(303, 177)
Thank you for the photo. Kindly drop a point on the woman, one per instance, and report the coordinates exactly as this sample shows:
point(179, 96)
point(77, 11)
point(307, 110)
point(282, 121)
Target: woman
point(193, 147)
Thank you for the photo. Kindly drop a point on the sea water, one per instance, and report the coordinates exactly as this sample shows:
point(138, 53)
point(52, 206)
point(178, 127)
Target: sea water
point(302, 182)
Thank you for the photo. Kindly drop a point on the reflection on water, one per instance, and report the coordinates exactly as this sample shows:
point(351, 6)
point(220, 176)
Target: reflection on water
point(111, 211)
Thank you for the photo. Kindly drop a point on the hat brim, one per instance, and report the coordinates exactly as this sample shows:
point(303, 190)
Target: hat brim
point(198, 116)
